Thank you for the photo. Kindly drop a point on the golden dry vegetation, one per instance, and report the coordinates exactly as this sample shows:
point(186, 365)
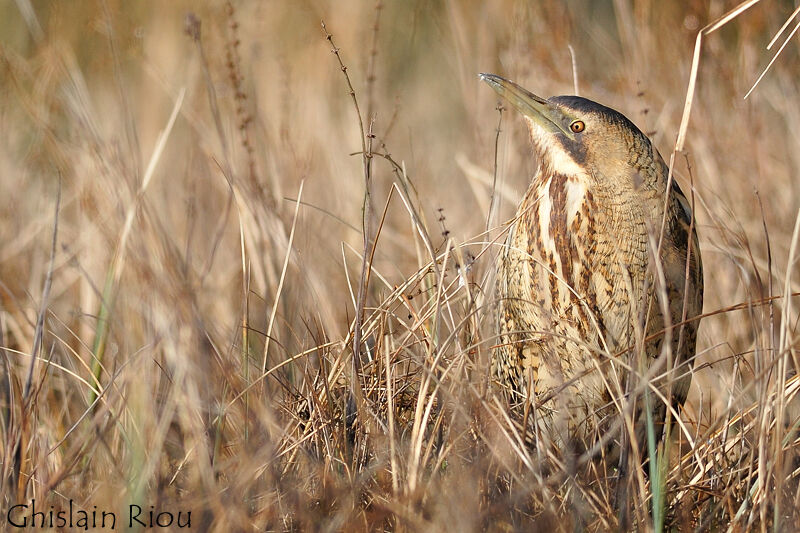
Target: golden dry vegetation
point(181, 181)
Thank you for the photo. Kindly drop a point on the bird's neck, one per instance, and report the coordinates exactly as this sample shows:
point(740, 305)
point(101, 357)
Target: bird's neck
point(622, 207)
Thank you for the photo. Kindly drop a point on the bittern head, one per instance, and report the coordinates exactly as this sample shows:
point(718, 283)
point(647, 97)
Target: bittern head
point(575, 136)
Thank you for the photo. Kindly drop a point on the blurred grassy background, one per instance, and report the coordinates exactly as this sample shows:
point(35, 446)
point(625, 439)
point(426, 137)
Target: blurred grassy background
point(87, 87)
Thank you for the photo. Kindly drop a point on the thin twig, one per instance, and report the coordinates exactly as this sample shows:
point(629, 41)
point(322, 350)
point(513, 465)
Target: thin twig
point(489, 217)
point(366, 160)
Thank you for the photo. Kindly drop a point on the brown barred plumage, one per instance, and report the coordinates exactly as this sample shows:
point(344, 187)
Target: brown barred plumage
point(578, 284)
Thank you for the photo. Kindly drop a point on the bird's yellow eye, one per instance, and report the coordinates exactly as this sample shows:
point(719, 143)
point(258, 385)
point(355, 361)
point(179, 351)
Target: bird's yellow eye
point(577, 126)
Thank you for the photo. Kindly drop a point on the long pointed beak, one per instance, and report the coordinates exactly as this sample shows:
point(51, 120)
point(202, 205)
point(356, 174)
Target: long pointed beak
point(537, 109)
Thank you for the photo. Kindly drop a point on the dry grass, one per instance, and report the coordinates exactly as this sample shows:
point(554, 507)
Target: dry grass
point(229, 229)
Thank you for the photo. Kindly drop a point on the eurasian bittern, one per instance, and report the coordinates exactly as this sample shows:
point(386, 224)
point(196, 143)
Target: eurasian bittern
point(594, 276)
